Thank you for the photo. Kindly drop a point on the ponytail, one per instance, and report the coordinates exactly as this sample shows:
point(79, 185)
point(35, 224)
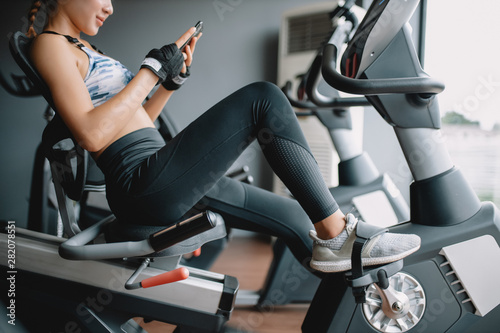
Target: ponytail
point(35, 7)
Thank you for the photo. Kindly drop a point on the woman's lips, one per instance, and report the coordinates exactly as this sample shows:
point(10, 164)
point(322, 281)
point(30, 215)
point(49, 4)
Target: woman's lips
point(100, 21)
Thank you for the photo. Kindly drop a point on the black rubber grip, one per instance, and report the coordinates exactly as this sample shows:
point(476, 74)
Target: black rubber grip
point(183, 230)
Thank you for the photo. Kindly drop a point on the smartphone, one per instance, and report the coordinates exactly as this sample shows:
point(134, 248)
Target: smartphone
point(199, 29)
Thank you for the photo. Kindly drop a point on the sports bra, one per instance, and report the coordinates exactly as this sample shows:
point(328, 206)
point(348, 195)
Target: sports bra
point(105, 77)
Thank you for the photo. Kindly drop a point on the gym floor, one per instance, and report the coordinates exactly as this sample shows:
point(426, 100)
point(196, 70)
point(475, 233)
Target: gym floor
point(248, 258)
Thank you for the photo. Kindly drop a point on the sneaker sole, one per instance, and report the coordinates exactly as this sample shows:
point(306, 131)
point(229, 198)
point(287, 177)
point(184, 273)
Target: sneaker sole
point(345, 265)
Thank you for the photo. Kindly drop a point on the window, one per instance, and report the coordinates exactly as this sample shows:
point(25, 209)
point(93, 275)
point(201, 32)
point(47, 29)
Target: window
point(463, 49)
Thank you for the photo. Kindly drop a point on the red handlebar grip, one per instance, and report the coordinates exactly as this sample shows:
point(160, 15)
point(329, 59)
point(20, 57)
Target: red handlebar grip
point(177, 274)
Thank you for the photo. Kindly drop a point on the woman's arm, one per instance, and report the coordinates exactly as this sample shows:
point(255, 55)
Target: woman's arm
point(155, 104)
point(93, 128)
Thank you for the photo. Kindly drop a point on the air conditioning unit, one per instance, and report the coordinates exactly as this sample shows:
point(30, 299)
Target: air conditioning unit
point(302, 32)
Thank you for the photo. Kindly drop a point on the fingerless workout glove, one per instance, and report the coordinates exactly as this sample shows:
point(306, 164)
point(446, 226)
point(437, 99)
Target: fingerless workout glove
point(166, 62)
point(177, 81)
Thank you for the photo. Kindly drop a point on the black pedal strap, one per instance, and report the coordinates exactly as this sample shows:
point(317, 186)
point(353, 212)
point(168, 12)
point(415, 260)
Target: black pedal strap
point(364, 232)
point(356, 261)
point(368, 231)
point(357, 269)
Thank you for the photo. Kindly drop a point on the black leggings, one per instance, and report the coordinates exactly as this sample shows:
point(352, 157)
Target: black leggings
point(155, 183)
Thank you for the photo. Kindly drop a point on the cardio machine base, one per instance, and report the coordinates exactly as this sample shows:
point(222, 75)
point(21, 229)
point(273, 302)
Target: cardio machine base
point(66, 298)
point(61, 306)
point(449, 307)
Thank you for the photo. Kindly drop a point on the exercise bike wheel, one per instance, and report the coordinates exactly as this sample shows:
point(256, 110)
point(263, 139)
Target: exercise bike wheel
point(386, 313)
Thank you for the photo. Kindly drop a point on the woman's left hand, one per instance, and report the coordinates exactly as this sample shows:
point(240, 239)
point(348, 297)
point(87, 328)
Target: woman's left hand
point(176, 82)
point(188, 50)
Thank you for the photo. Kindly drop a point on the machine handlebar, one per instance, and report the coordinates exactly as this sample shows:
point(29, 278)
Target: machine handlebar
point(334, 102)
point(321, 100)
point(413, 85)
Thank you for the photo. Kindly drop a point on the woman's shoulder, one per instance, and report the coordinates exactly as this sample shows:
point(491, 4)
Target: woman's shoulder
point(53, 56)
point(46, 45)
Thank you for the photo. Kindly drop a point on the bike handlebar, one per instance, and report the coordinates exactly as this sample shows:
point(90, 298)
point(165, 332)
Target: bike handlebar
point(324, 101)
point(413, 85)
point(335, 102)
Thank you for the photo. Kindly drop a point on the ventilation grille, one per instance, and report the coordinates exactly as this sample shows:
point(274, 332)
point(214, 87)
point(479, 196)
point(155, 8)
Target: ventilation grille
point(308, 32)
point(455, 284)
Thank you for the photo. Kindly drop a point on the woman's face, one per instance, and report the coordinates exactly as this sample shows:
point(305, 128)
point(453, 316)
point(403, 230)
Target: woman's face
point(87, 15)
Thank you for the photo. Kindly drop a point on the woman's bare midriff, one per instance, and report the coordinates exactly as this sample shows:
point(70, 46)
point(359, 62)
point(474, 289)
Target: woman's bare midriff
point(139, 120)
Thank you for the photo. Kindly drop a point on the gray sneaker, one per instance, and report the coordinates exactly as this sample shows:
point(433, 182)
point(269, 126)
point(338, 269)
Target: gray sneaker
point(334, 255)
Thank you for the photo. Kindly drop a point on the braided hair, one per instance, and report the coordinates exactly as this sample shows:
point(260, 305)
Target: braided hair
point(47, 7)
point(35, 7)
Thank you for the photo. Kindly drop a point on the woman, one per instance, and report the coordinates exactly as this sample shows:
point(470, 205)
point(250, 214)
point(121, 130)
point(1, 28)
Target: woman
point(102, 104)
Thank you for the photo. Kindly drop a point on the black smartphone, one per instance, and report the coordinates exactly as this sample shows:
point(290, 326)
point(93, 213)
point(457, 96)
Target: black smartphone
point(199, 29)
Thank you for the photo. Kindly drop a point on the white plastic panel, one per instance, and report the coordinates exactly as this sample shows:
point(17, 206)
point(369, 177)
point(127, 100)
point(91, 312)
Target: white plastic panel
point(476, 263)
